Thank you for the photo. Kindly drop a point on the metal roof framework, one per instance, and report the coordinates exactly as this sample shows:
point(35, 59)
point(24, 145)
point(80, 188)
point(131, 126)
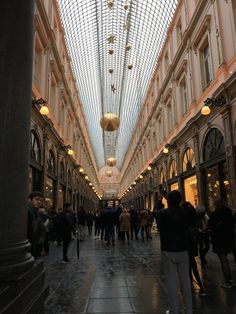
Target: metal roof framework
point(88, 25)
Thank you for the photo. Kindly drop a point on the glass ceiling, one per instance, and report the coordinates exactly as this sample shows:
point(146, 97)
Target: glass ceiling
point(92, 29)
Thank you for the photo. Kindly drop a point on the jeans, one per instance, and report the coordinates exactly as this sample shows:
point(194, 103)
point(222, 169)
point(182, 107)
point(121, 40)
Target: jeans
point(177, 263)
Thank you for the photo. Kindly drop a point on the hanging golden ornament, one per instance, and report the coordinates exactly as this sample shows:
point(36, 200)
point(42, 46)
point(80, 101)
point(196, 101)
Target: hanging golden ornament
point(111, 51)
point(110, 71)
point(128, 47)
point(126, 5)
point(109, 173)
point(111, 39)
point(113, 89)
point(110, 122)
point(110, 3)
point(111, 162)
point(130, 66)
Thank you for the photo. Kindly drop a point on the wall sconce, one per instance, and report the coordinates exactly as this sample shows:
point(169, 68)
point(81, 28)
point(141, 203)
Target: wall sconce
point(81, 170)
point(169, 146)
point(69, 150)
point(86, 177)
point(42, 104)
point(141, 176)
point(219, 102)
point(149, 168)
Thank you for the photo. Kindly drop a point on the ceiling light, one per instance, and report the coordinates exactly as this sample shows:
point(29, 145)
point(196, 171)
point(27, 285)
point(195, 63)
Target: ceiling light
point(44, 110)
point(165, 150)
point(111, 51)
point(111, 39)
point(110, 71)
point(110, 3)
point(205, 110)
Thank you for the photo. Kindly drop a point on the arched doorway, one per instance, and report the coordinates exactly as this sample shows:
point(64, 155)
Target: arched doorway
point(215, 169)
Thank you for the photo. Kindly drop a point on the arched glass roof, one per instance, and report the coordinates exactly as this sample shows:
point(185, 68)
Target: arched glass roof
point(92, 27)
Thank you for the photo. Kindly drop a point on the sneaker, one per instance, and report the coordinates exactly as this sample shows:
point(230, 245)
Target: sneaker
point(226, 285)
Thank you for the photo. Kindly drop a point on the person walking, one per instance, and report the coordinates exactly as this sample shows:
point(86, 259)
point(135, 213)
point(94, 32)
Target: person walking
point(173, 230)
point(144, 223)
point(81, 223)
point(203, 235)
point(134, 222)
point(109, 220)
point(221, 225)
point(125, 225)
point(89, 221)
point(66, 227)
point(97, 222)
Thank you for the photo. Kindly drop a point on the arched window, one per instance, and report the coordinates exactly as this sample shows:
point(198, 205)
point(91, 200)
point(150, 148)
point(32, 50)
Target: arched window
point(35, 153)
point(214, 145)
point(188, 160)
point(62, 172)
point(51, 162)
point(173, 169)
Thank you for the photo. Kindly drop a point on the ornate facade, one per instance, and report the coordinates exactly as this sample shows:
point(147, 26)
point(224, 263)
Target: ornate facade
point(198, 61)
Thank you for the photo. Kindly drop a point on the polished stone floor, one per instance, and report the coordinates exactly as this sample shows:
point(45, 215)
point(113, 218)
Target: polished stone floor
point(124, 279)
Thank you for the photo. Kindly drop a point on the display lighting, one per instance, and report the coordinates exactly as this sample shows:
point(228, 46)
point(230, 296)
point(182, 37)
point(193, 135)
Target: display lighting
point(213, 102)
point(42, 104)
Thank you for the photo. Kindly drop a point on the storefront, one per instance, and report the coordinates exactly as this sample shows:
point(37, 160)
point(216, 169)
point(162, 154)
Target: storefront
point(189, 177)
point(35, 169)
point(61, 191)
point(215, 169)
point(50, 180)
point(173, 183)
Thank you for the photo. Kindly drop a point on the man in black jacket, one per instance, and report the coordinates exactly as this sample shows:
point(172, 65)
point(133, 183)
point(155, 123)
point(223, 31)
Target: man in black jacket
point(173, 229)
point(66, 227)
point(36, 231)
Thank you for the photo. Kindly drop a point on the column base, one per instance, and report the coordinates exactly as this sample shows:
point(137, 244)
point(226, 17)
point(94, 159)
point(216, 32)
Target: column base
point(25, 293)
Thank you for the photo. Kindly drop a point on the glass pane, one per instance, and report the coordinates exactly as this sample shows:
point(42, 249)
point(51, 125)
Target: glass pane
point(88, 26)
point(50, 192)
point(190, 190)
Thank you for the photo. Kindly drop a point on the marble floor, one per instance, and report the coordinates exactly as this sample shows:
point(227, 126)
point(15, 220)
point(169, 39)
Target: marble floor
point(124, 279)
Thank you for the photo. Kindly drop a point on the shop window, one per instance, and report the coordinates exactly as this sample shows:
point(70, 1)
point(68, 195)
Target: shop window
point(174, 186)
point(173, 169)
point(35, 153)
point(51, 162)
point(190, 190)
point(188, 160)
point(214, 145)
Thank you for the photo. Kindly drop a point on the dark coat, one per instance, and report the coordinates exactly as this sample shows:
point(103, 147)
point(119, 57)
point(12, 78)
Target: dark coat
point(82, 217)
point(173, 229)
point(65, 225)
point(221, 225)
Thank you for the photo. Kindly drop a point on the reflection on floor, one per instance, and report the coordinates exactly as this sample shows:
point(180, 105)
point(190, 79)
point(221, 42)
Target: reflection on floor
point(124, 279)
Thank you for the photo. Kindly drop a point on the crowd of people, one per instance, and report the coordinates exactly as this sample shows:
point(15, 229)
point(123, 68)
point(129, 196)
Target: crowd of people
point(185, 232)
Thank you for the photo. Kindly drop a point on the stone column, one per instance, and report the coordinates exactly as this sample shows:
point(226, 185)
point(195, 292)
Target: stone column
point(17, 269)
point(16, 50)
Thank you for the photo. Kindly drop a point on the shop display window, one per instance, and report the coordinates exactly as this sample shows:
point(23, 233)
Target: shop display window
point(174, 186)
point(190, 188)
